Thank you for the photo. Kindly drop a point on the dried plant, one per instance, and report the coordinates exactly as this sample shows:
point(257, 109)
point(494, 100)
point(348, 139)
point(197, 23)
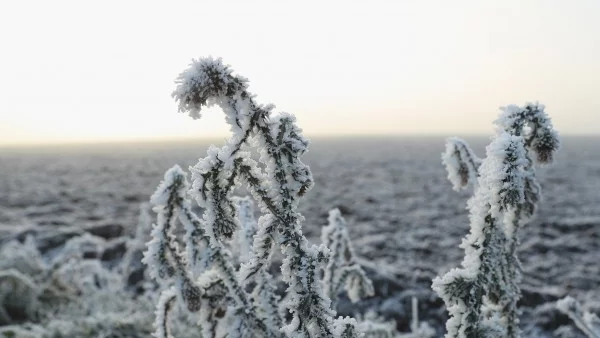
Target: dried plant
point(482, 295)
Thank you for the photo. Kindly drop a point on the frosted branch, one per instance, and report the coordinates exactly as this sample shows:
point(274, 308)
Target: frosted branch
point(163, 308)
point(170, 200)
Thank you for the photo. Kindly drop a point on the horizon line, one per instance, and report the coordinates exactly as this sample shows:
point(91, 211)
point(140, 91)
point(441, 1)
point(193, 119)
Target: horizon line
point(169, 140)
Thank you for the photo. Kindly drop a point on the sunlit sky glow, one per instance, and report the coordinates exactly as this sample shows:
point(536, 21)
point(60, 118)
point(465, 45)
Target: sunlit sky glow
point(73, 71)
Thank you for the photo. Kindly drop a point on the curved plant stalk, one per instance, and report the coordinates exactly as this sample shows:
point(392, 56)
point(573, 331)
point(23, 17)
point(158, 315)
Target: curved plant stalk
point(482, 295)
point(277, 182)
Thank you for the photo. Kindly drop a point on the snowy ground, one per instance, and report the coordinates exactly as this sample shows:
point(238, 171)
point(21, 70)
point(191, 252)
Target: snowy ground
point(404, 218)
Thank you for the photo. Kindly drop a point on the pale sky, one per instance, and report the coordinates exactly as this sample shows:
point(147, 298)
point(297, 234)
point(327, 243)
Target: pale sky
point(73, 71)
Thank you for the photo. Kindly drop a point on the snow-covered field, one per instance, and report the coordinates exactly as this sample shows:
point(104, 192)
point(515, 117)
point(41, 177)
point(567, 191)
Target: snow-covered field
point(405, 220)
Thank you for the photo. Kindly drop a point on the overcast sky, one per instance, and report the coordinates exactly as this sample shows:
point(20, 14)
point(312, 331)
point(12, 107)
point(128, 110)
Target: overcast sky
point(104, 70)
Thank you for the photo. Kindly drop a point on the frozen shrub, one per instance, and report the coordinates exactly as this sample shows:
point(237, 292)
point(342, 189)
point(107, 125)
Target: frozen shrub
point(70, 293)
point(166, 262)
point(24, 282)
point(198, 270)
point(482, 295)
point(277, 186)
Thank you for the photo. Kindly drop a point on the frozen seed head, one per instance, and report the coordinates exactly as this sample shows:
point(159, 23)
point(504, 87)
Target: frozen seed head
point(191, 295)
point(545, 146)
point(461, 163)
point(174, 182)
point(205, 80)
point(533, 123)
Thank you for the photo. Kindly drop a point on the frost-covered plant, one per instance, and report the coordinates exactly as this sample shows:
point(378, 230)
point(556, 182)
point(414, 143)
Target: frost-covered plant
point(264, 292)
point(202, 272)
point(105, 305)
point(587, 322)
point(461, 163)
point(70, 293)
point(27, 287)
point(342, 272)
point(132, 269)
point(482, 295)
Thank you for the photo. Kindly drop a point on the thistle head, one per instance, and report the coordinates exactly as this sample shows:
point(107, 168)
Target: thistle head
point(461, 163)
point(174, 185)
point(534, 124)
point(203, 82)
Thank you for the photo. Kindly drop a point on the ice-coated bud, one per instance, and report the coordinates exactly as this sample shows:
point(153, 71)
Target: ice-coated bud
point(461, 163)
point(205, 79)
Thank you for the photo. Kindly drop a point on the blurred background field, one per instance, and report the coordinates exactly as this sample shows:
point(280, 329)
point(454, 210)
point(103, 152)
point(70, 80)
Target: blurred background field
point(404, 219)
